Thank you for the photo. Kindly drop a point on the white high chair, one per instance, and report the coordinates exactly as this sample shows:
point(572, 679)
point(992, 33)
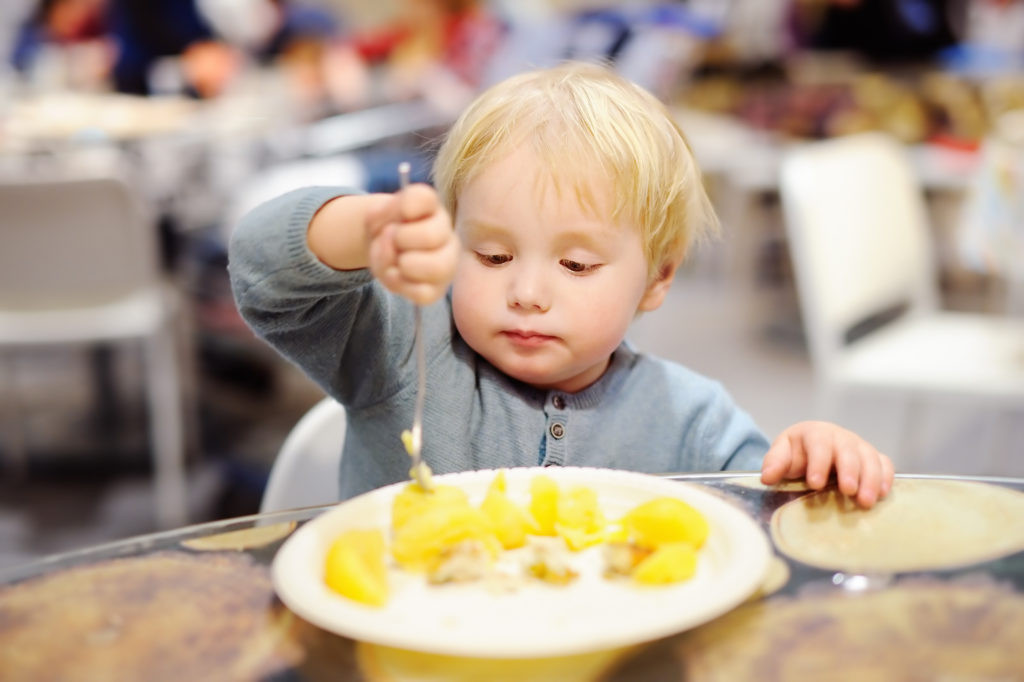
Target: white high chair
point(305, 472)
point(866, 280)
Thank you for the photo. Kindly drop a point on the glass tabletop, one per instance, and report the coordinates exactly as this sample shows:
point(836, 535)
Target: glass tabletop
point(929, 584)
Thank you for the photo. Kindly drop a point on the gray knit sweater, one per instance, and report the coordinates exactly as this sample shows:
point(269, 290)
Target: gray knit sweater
point(353, 338)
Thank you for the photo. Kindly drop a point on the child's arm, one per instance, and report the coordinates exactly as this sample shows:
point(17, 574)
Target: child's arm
point(405, 239)
point(346, 331)
point(813, 449)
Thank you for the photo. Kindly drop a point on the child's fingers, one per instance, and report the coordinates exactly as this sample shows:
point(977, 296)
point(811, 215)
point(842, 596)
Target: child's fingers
point(416, 201)
point(426, 267)
point(848, 470)
point(785, 459)
point(819, 447)
point(386, 211)
point(382, 253)
point(391, 278)
point(776, 462)
point(422, 294)
point(870, 477)
point(888, 473)
point(424, 234)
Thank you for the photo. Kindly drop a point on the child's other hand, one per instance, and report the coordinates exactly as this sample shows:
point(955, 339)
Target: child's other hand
point(813, 449)
point(413, 249)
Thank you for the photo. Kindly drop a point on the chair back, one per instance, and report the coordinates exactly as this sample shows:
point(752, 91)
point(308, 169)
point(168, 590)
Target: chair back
point(68, 243)
point(305, 472)
point(858, 236)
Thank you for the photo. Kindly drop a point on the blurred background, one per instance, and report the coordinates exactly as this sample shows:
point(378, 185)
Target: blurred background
point(198, 110)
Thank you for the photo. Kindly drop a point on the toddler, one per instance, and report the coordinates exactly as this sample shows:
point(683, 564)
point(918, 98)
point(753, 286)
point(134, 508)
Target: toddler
point(566, 199)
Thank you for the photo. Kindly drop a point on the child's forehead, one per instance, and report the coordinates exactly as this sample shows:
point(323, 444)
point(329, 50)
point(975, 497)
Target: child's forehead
point(554, 173)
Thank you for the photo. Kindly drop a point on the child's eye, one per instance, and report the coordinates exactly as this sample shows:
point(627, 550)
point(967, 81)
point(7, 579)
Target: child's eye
point(494, 258)
point(576, 266)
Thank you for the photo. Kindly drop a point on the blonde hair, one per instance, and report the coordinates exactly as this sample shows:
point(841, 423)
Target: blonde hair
point(579, 117)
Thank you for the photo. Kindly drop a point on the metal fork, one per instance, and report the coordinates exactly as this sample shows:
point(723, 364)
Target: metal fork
point(419, 471)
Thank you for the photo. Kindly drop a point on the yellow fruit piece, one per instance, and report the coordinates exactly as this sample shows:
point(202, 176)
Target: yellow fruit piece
point(579, 519)
point(510, 523)
point(420, 541)
point(544, 504)
point(579, 538)
point(407, 441)
point(614, 531)
point(355, 567)
point(663, 520)
point(498, 483)
point(413, 500)
point(672, 562)
point(578, 508)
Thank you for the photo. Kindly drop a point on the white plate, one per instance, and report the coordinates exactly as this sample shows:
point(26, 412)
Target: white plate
point(536, 620)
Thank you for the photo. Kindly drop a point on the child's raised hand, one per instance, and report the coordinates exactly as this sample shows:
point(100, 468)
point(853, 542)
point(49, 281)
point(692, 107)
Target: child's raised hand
point(413, 249)
point(812, 449)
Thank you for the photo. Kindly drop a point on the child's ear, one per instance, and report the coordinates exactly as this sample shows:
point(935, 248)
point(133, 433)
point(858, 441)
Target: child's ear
point(658, 288)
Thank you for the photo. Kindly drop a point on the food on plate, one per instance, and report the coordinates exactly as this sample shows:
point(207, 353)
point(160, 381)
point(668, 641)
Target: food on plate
point(419, 472)
point(669, 563)
point(442, 535)
point(544, 504)
point(549, 561)
point(463, 562)
point(579, 519)
point(356, 567)
point(663, 520)
point(622, 558)
point(420, 542)
point(413, 500)
point(511, 522)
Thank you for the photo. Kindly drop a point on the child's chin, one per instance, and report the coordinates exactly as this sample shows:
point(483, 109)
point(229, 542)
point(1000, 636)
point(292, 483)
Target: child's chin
point(534, 377)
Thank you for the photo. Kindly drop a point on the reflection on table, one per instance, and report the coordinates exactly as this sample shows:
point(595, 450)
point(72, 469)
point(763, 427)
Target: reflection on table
point(928, 585)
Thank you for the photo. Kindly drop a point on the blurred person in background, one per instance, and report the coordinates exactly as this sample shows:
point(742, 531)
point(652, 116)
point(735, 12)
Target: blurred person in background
point(435, 49)
point(281, 34)
point(147, 31)
point(132, 35)
point(208, 41)
point(65, 42)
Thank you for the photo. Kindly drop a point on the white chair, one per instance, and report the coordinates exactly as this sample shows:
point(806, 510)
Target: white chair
point(866, 280)
point(79, 265)
point(305, 472)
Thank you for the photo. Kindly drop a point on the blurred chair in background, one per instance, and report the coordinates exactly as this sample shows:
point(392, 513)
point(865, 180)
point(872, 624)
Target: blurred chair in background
point(305, 472)
point(79, 266)
point(862, 255)
point(991, 230)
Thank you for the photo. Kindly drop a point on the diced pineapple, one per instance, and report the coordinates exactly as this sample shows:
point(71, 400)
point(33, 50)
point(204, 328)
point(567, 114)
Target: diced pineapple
point(355, 567)
point(579, 519)
point(413, 500)
point(498, 482)
point(578, 508)
point(579, 538)
point(420, 541)
point(544, 503)
point(511, 524)
point(672, 562)
point(663, 520)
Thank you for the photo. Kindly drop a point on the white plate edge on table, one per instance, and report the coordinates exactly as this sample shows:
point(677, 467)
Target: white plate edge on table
point(537, 620)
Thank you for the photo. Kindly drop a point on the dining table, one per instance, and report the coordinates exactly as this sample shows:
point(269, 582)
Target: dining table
point(926, 585)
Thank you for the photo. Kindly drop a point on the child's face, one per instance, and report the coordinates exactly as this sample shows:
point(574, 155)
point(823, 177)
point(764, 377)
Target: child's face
point(545, 290)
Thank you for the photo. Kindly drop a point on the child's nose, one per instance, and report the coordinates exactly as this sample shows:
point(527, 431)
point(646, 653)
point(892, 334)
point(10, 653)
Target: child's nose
point(527, 290)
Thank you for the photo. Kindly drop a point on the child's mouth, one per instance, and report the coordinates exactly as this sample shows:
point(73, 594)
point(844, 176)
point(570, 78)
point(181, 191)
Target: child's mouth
point(527, 339)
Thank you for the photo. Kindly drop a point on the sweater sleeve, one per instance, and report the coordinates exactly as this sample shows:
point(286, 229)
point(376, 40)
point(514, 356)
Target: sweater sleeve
point(342, 328)
point(731, 433)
